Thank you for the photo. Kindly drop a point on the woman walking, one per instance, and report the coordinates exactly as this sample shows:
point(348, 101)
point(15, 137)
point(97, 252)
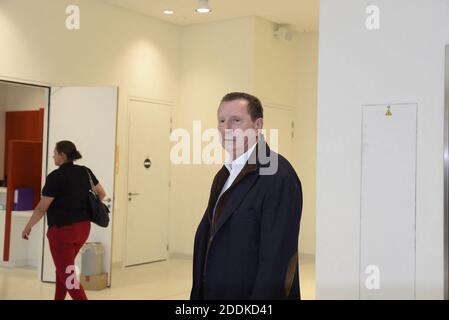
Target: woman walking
point(65, 200)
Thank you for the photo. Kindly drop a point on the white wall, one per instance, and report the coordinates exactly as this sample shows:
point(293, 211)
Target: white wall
point(285, 76)
point(305, 132)
point(22, 253)
point(3, 94)
point(276, 66)
point(113, 47)
point(401, 62)
point(217, 58)
point(190, 68)
point(21, 97)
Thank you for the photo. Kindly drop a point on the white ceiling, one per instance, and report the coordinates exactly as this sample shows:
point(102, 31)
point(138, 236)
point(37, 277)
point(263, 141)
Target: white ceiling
point(301, 15)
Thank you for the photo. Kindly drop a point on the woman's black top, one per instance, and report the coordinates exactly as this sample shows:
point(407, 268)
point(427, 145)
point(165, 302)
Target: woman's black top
point(69, 186)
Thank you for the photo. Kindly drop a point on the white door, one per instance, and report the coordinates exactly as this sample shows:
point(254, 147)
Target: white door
point(148, 183)
point(283, 121)
point(87, 116)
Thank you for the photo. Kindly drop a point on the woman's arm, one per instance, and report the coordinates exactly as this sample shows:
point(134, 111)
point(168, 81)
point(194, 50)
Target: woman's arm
point(100, 191)
point(38, 213)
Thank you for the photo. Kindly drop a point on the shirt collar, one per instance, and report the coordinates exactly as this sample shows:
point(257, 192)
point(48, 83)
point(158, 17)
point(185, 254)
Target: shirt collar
point(66, 164)
point(241, 160)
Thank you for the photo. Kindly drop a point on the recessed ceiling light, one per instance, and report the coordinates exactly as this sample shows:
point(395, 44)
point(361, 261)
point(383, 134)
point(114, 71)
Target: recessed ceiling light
point(203, 7)
point(168, 12)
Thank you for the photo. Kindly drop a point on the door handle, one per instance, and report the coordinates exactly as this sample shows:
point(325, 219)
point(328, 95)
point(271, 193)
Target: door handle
point(108, 200)
point(133, 194)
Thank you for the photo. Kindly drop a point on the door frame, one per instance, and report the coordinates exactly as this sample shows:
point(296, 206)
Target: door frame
point(112, 215)
point(168, 104)
point(44, 149)
point(446, 176)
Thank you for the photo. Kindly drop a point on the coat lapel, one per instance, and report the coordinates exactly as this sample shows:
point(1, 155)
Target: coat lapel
point(217, 186)
point(249, 172)
point(233, 197)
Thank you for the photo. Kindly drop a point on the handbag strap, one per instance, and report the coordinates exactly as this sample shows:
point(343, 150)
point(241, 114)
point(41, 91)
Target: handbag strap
point(90, 179)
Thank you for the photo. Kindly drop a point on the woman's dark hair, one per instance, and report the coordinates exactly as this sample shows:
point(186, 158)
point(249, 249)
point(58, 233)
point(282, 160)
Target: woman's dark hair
point(69, 149)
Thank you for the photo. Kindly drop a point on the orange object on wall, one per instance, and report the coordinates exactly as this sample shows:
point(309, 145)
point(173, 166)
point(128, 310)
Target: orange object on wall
point(23, 125)
point(24, 171)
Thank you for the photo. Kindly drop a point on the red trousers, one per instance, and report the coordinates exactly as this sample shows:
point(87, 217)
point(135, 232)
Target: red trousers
point(65, 243)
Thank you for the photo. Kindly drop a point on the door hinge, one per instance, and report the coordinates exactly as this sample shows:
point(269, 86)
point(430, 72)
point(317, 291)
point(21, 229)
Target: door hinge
point(171, 124)
point(168, 247)
point(169, 183)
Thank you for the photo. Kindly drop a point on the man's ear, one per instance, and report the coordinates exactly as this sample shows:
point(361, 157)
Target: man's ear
point(259, 123)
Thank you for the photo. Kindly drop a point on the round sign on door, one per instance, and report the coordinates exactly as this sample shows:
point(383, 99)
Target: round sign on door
point(147, 163)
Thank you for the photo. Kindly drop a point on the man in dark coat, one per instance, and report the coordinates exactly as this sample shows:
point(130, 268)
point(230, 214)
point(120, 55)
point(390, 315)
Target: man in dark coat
point(246, 245)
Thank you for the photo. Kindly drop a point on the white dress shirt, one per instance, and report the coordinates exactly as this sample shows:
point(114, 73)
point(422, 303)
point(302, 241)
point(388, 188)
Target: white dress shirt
point(234, 167)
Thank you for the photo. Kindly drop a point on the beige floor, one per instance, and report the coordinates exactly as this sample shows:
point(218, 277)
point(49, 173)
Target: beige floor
point(169, 280)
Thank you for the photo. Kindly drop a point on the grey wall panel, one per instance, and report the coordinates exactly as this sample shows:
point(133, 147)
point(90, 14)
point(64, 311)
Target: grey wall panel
point(388, 192)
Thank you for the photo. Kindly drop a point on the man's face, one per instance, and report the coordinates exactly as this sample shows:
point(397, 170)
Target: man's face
point(237, 129)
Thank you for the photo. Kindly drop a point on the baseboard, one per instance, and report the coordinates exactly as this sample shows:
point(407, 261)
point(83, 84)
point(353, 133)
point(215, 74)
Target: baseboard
point(21, 263)
point(185, 256)
point(181, 256)
point(7, 264)
point(117, 264)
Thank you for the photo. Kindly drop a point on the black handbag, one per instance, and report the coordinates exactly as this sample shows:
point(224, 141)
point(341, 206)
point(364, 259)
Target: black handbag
point(99, 212)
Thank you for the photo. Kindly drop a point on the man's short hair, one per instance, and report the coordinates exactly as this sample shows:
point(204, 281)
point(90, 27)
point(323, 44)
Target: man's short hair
point(255, 108)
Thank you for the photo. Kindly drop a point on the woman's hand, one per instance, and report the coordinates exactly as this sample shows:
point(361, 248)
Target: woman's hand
point(100, 191)
point(38, 213)
point(26, 233)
